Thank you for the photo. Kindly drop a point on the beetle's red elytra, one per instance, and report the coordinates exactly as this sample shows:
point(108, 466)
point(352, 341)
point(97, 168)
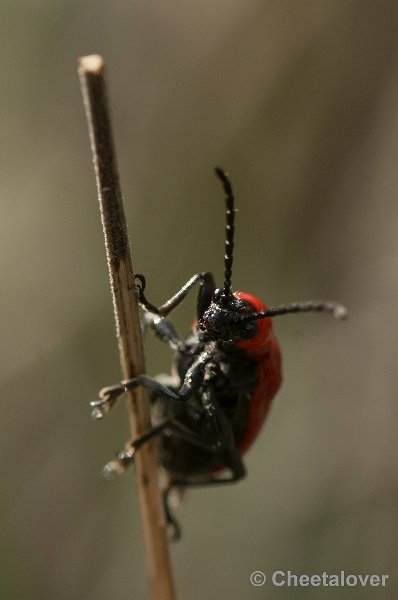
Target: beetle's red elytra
point(264, 348)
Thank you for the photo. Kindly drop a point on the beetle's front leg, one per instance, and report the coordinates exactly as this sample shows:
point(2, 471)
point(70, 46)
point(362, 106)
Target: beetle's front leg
point(207, 287)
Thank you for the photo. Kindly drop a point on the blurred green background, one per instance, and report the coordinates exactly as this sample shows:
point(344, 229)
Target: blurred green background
point(299, 102)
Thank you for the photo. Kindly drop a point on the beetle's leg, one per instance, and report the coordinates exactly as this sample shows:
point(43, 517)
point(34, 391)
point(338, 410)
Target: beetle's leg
point(164, 330)
point(195, 375)
point(109, 395)
point(125, 457)
point(205, 294)
point(173, 524)
point(205, 279)
point(238, 471)
point(193, 379)
point(192, 382)
point(233, 462)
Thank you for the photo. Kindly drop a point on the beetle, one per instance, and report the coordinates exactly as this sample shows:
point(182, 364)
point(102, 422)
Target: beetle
point(225, 374)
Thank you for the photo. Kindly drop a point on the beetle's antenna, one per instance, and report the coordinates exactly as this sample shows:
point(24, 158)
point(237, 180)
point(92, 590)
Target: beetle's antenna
point(229, 232)
point(337, 310)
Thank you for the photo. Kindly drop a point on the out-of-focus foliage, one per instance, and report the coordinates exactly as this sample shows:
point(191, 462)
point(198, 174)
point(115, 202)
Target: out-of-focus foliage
point(298, 100)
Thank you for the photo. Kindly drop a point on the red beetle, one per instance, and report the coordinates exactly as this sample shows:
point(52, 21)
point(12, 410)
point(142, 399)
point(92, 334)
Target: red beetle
point(225, 374)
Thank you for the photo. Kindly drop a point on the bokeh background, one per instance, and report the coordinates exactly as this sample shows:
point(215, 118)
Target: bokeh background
point(299, 102)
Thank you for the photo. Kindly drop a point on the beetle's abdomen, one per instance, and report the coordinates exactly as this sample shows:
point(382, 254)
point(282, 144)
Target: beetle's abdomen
point(232, 387)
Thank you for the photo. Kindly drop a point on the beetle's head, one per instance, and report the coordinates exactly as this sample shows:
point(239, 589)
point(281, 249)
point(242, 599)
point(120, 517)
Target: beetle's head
point(226, 319)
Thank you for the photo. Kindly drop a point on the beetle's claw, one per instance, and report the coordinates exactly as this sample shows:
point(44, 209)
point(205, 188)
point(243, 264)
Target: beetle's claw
point(100, 408)
point(97, 413)
point(173, 530)
point(107, 398)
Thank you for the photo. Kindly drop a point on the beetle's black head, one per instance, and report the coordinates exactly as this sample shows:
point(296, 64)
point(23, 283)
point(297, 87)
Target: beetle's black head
point(226, 319)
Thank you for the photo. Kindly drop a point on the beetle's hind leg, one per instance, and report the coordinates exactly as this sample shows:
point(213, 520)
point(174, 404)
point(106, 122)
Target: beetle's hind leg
point(125, 457)
point(238, 471)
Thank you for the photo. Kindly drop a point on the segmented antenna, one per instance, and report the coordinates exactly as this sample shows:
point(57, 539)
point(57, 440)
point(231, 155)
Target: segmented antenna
point(337, 310)
point(229, 232)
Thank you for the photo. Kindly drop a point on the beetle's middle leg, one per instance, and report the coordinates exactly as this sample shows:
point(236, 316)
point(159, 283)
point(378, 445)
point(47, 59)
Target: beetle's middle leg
point(192, 382)
point(109, 395)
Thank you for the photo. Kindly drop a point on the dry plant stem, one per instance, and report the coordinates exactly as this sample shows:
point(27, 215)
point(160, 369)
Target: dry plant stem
point(93, 84)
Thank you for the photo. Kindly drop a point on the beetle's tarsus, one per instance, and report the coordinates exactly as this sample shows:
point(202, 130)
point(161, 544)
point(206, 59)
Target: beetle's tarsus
point(107, 398)
point(118, 465)
point(109, 471)
point(111, 393)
